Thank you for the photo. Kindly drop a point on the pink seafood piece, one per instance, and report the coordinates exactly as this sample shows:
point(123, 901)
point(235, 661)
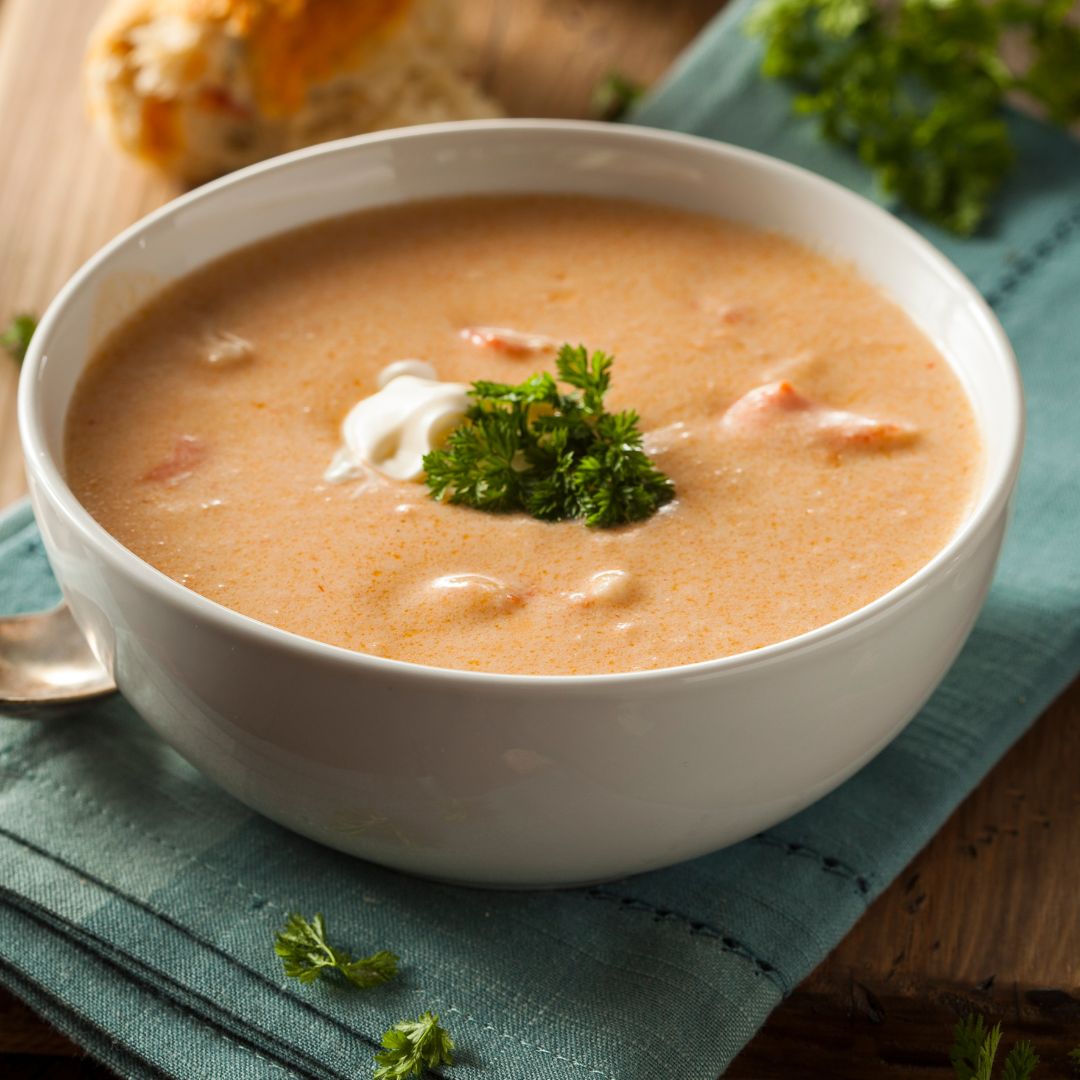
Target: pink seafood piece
point(763, 405)
point(187, 452)
point(514, 342)
point(723, 311)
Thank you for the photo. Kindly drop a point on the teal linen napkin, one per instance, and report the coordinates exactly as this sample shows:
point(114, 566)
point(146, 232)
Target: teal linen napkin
point(138, 903)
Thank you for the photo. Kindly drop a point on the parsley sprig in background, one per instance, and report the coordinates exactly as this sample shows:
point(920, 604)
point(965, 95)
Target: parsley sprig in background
point(975, 1048)
point(15, 337)
point(917, 88)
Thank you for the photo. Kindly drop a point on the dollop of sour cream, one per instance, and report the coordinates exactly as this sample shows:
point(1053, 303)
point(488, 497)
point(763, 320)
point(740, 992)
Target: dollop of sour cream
point(392, 430)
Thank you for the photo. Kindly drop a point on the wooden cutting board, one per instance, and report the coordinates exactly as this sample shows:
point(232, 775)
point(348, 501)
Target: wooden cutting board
point(987, 917)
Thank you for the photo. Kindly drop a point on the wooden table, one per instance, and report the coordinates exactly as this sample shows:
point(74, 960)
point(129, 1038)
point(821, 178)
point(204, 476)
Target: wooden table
point(986, 917)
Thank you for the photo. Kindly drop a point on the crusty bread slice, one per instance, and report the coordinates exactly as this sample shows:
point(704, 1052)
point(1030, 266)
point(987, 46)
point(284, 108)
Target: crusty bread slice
point(200, 87)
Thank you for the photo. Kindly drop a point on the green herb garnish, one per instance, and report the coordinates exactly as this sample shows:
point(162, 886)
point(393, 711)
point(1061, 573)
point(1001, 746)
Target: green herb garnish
point(974, 1049)
point(16, 337)
point(413, 1046)
point(556, 456)
point(917, 88)
point(613, 96)
point(306, 954)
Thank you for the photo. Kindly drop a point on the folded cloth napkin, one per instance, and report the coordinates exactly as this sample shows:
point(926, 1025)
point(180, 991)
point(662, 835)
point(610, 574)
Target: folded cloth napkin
point(138, 903)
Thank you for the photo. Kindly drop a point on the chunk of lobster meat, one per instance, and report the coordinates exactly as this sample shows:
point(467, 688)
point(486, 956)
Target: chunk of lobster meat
point(226, 350)
point(511, 342)
point(187, 453)
point(475, 596)
point(851, 431)
point(724, 311)
point(759, 408)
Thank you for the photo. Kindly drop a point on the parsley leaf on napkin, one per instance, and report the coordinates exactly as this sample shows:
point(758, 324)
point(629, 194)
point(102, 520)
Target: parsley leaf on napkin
point(413, 1046)
point(306, 954)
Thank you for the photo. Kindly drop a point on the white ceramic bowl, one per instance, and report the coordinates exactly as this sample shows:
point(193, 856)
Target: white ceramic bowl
point(505, 779)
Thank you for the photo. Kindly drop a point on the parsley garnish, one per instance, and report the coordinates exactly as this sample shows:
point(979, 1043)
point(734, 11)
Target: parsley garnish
point(917, 88)
point(305, 955)
point(16, 337)
point(412, 1046)
point(974, 1049)
point(613, 96)
point(554, 455)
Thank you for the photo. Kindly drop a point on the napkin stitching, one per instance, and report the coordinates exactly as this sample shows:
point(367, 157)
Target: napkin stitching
point(173, 1005)
point(703, 929)
point(829, 863)
point(170, 921)
point(1027, 264)
point(29, 773)
point(467, 1018)
point(235, 1042)
point(66, 1019)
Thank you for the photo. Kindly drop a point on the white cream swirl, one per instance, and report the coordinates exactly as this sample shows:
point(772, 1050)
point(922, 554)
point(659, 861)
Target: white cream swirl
point(392, 430)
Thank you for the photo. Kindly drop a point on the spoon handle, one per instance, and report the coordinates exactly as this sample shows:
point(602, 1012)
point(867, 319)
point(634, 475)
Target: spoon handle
point(46, 667)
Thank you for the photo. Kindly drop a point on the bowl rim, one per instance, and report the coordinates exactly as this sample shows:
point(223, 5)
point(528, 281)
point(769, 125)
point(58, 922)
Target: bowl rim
point(992, 503)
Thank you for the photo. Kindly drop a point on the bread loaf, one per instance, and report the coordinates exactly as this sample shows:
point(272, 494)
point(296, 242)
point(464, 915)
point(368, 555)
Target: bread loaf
point(200, 87)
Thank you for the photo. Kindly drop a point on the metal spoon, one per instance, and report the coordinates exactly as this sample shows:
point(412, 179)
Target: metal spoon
point(46, 667)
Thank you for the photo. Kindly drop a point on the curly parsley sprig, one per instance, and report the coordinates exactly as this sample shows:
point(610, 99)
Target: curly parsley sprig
point(306, 954)
point(556, 456)
point(917, 88)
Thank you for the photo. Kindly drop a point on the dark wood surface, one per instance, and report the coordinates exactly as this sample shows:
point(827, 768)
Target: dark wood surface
point(987, 917)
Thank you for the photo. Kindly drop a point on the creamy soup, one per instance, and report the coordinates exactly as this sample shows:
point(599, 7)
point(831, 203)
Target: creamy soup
point(822, 450)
